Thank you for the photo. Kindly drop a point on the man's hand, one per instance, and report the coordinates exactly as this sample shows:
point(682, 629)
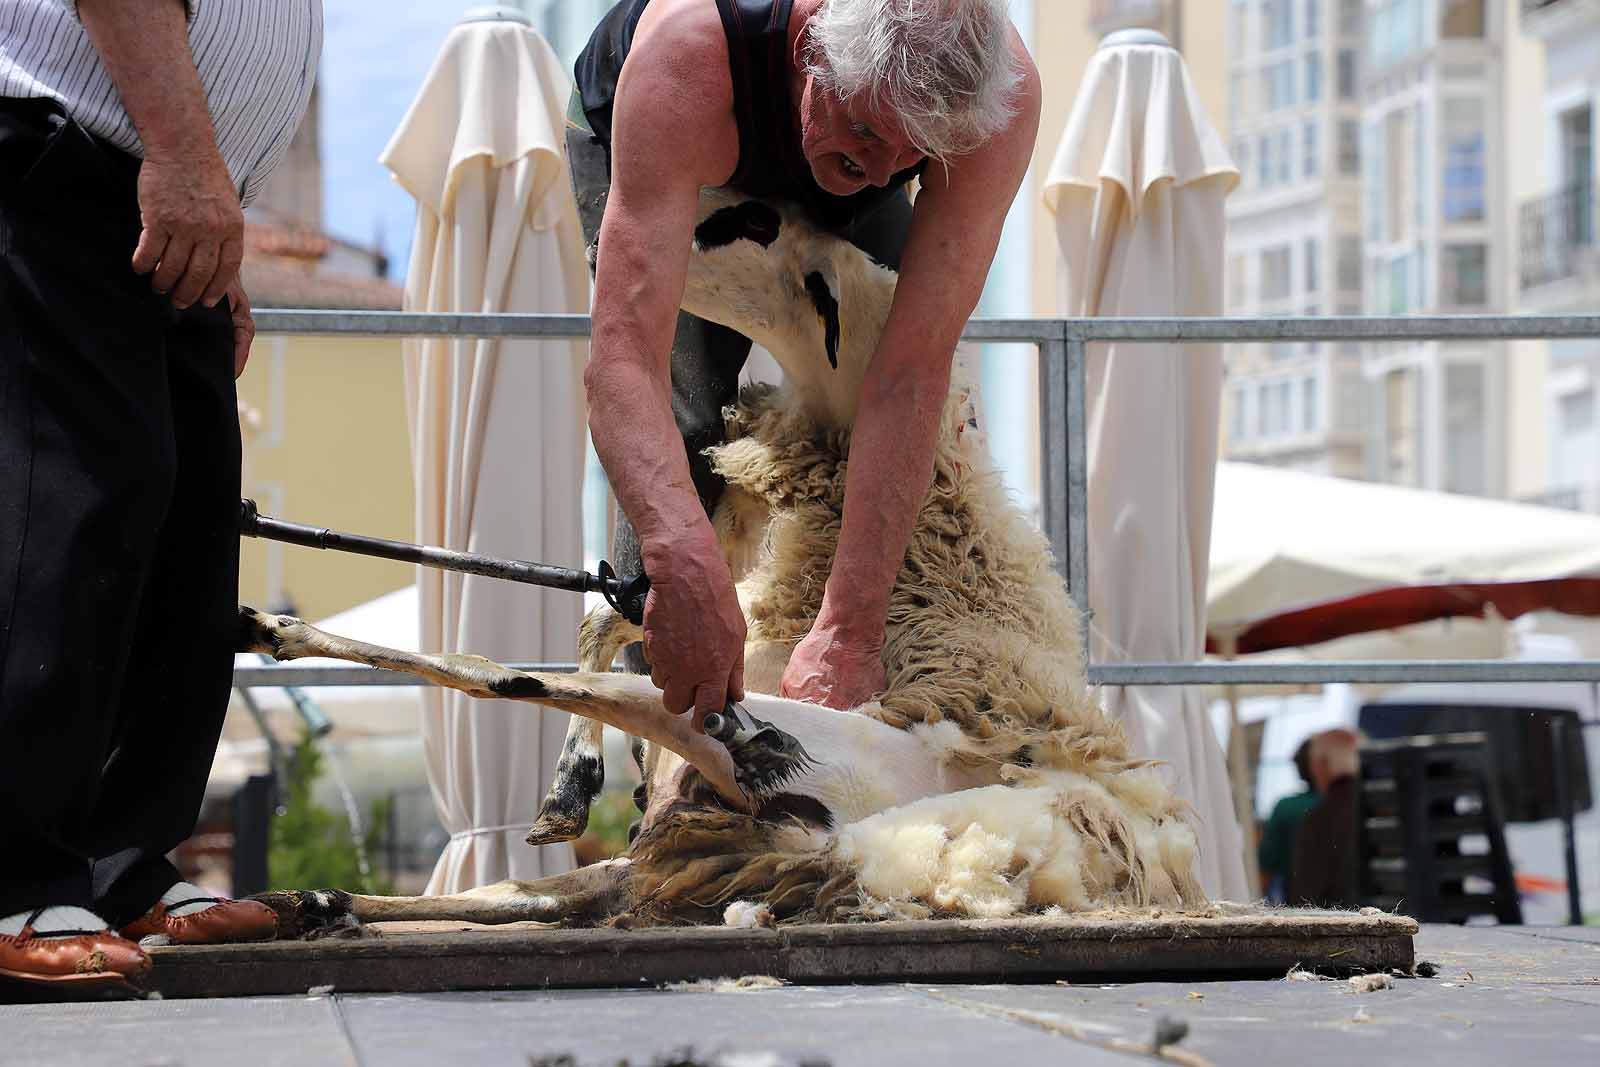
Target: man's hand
point(829, 668)
point(693, 630)
point(193, 237)
point(244, 325)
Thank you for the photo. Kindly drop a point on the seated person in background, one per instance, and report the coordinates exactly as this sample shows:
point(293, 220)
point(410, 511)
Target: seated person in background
point(1326, 869)
point(1275, 853)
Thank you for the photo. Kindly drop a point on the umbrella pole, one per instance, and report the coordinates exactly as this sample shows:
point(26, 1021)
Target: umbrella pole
point(1239, 774)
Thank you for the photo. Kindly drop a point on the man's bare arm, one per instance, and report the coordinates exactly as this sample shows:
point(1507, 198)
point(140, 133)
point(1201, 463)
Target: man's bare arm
point(667, 101)
point(954, 235)
point(193, 235)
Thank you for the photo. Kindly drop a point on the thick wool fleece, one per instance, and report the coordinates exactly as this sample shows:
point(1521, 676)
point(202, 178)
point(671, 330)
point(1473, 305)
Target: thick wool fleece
point(980, 629)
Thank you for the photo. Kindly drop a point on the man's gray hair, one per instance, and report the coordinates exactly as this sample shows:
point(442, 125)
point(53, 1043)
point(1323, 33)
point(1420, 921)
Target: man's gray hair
point(944, 68)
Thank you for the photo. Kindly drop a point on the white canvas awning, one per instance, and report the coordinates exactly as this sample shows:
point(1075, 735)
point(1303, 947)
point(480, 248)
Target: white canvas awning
point(1282, 539)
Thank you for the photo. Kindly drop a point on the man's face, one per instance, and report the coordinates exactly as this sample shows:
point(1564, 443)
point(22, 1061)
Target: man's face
point(848, 144)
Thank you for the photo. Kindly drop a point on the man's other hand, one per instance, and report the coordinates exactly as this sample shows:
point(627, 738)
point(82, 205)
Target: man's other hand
point(244, 325)
point(193, 238)
point(693, 629)
point(827, 668)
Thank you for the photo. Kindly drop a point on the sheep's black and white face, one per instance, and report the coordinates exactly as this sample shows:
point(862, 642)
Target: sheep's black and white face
point(812, 299)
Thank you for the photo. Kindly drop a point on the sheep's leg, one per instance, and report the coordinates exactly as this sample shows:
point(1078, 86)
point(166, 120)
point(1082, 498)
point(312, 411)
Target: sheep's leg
point(627, 701)
point(586, 895)
point(581, 772)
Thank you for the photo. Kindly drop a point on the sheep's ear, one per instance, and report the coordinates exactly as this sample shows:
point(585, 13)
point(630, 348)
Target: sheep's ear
point(828, 310)
point(750, 220)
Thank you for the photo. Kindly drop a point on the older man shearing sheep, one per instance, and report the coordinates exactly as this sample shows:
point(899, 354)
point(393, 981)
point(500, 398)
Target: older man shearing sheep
point(835, 105)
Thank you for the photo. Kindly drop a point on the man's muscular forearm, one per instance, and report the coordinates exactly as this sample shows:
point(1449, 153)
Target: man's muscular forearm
point(896, 426)
point(144, 46)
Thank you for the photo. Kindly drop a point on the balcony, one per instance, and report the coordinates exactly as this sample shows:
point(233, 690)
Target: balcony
point(1108, 16)
point(1558, 20)
point(1558, 237)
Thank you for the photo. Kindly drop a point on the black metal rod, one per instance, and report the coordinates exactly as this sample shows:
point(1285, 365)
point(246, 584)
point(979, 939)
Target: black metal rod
point(1564, 805)
point(253, 524)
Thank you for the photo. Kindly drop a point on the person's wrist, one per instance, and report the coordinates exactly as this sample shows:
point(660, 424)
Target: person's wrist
point(855, 627)
point(665, 550)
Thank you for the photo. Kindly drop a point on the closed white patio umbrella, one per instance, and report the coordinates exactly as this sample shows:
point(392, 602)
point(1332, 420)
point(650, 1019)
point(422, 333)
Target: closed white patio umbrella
point(497, 426)
point(1137, 188)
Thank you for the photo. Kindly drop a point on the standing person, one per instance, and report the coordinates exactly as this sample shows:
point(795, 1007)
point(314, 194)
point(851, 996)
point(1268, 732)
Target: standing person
point(834, 105)
point(131, 134)
point(1275, 850)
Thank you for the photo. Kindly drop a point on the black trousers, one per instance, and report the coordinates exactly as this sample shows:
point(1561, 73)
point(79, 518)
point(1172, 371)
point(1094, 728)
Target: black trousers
point(706, 356)
point(119, 550)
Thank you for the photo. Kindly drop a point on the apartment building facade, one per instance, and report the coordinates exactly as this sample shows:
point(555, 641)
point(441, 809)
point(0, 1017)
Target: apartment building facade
point(1294, 230)
point(1559, 267)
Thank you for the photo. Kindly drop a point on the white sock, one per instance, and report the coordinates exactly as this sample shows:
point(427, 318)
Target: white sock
point(52, 920)
point(186, 891)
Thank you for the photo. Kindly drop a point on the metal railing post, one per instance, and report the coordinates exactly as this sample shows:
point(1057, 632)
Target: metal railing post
point(1078, 480)
point(1054, 447)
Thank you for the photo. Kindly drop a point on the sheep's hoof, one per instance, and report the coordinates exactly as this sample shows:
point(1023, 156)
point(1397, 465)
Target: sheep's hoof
point(554, 826)
point(310, 915)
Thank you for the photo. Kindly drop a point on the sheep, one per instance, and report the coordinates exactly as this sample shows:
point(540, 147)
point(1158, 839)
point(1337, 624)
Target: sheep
point(985, 781)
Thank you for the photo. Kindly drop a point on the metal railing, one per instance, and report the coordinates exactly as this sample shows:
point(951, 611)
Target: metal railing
point(1555, 232)
point(1062, 346)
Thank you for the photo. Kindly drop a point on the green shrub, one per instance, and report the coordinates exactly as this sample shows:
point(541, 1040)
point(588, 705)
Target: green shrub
point(310, 846)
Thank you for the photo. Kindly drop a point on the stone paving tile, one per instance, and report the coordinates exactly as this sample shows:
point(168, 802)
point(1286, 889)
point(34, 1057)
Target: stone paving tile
point(862, 1026)
point(247, 1032)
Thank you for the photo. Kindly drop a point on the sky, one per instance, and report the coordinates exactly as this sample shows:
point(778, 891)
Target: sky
point(375, 55)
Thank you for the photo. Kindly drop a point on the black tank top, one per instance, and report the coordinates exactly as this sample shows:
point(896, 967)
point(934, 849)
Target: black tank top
point(770, 161)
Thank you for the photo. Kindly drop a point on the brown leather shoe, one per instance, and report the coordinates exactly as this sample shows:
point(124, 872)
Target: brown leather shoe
point(223, 922)
point(71, 964)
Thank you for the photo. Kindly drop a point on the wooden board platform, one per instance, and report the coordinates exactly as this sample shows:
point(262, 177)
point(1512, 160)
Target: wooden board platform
point(1080, 948)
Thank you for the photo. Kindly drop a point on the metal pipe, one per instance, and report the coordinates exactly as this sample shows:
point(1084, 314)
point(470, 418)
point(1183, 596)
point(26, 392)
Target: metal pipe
point(1394, 672)
point(1153, 330)
point(254, 524)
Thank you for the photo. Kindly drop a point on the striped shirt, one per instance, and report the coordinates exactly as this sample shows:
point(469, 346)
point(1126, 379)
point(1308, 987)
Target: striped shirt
point(257, 61)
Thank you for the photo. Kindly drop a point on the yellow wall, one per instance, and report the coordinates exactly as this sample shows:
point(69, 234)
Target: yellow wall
point(328, 447)
point(1524, 129)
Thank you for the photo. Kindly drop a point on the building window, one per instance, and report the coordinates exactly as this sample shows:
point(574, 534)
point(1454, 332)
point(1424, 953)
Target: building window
point(1577, 412)
point(1464, 271)
point(1239, 103)
point(1313, 77)
point(1349, 69)
point(1313, 19)
point(1266, 169)
point(1462, 18)
point(1396, 30)
point(1278, 16)
point(1350, 148)
point(1277, 85)
point(1399, 285)
point(1264, 419)
point(1313, 254)
point(1241, 157)
point(1313, 149)
point(1286, 155)
point(1275, 277)
point(1239, 417)
point(1349, 266)
point(1310, 405)
point(1238, 27)
point(1238, 283)
point(1464, 160)
point(1350, 18)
